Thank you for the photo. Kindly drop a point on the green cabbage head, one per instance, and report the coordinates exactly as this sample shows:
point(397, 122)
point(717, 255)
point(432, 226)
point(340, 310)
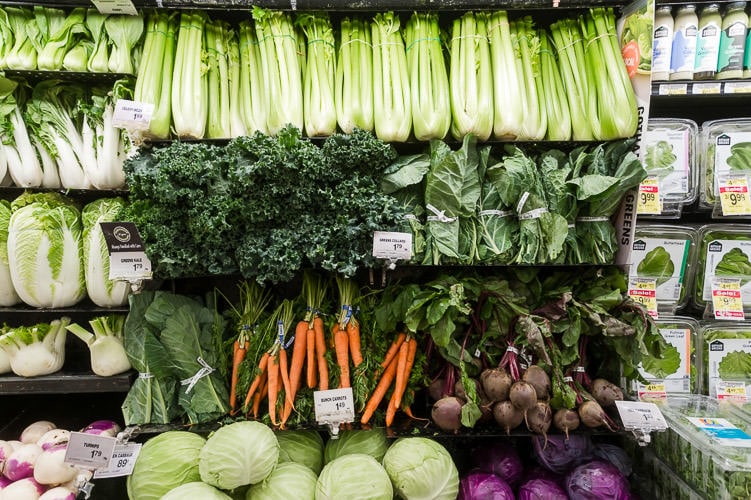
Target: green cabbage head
point(238, 454)
point(45, 250)
point(102, 291)
point(421, 469)
point(165, 462)
point(371, 442)
point(195, 491)
point(302, 447)
point(355, 477)
point(288, 480)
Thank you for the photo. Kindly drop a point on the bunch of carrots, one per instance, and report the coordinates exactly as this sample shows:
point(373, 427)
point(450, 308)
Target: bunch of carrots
point(397, 367)
point(345, 333)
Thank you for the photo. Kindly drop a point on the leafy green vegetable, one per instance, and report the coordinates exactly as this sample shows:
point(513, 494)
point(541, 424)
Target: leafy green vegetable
point(734, 263)
point(660, 158)
point(735, 365)
point(740, 156)
point(656, 264)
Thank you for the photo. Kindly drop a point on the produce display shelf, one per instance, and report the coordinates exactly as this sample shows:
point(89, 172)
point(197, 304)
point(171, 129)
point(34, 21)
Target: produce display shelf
point(68, 76)
point(339, 5)
point(84, 195)
point(65, 383)
point(80, 313)
point(705, 88)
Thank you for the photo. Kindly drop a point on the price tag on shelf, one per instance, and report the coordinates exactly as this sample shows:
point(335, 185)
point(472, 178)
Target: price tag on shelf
point(727, 299)
point(128, 260)
point(673, 89)
point(132, 115)
point(710, 88)
point(734, 198)
point(644, 291)
point(392, 246)
point(731, 390)
point(89, 450)
point(122, 462)
point(737, 88)
point(641, 415)
point(335, 406)
point(649, 197)
point(115, 7)
point(655, 390)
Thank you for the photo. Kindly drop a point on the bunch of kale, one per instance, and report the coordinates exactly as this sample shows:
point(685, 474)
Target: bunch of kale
point(262, 206)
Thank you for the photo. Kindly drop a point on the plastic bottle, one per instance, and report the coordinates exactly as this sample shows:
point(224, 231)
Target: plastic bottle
point(662, 42)
point(747, 57)
point(732, 41)
point(708, 42)
point(683, 54)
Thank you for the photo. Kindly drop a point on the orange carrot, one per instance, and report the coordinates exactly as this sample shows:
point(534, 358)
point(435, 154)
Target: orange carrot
point(323, 367)
point(401, 374)
point(256, 381)
point(273, 374)
point(408, 411)
point(260, 394)
point(239, 349)
point(353, 332)
point(312, 374)
point(284, 372)
point(393, 350)
point(341, 346)
point(296, 366)
point(379, 392)
point(391, 409)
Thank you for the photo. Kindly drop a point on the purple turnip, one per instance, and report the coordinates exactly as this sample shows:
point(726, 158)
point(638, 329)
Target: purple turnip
point(20, 463)
point(539, 419)
point(24, 489)
point(507, 416)
point(606, 393)
point(592, 415)
point(54, 437)
point(566, 420)
point(496, 383)
point(58, 493)
point(51, 468)
point(107, 428)
point(447, 413)
point(33, 432)
point(539, 379)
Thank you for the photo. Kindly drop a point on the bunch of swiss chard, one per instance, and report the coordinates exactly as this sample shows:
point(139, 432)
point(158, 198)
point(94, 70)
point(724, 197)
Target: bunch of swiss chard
point(262, 206)
point(513, 206)
point(174, 342)
point(529, 344)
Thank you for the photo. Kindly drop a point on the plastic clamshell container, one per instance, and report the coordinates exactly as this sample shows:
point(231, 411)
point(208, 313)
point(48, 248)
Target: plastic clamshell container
point(656, 480)
point(671, 159)
point(684, 334)
point(714, 243)
point(726, 356)
point(707, 444)
point(725, 151)
point(653, 245)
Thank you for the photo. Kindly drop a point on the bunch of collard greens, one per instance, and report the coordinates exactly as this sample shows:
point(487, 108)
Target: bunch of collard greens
point(174, 342)
point(262, 206)
point(526, 206)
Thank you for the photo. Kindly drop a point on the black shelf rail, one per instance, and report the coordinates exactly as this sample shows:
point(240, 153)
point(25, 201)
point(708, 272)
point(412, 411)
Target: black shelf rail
point(65, 383)
point(36, 75)
point(702, 88)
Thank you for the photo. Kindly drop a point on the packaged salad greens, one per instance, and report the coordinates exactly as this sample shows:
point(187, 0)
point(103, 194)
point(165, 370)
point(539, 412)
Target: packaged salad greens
point(727, 359)
point(654, 479)
point(683, 333)
point(666, 254)
point(670, 159)
point(724, 253)
point(726, 161)
point(708, 444)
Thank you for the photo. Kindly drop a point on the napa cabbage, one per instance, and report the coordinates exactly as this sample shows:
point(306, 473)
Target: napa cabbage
point(8, 295)
point(45, 250)
point(103, 291)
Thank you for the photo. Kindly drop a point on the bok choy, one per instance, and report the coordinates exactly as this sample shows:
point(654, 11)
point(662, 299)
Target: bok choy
point(124, 32)
point(20, 154)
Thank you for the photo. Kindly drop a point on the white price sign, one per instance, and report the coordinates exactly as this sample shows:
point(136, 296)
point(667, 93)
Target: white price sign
point(115, 7)
point(132, 115)
point(89, 451)
point(392, 246)
point(335, 406)
point(640, 415)
point(123, 460)
point(129, 265)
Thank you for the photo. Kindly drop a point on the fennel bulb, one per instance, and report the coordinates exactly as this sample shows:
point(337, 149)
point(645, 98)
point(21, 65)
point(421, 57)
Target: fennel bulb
point(36, 350)
point(106, 349)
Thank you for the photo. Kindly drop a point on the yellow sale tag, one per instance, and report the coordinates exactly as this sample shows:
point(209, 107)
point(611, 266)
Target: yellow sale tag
point(727, 299)
point(655, 390)
point(649, 197)
point(732, 390)
point(734, 196)
point(644, 291)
